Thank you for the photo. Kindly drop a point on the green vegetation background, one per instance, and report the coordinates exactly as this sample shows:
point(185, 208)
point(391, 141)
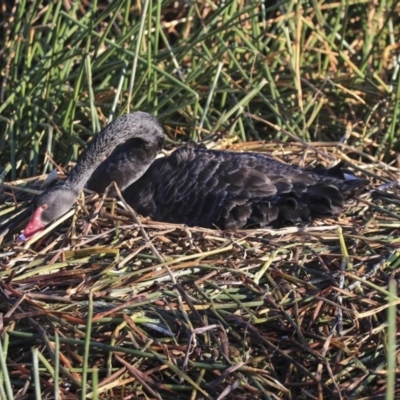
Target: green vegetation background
point(321, 70)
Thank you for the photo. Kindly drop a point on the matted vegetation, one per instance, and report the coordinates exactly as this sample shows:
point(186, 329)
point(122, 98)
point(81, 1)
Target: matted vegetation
point(107, 304)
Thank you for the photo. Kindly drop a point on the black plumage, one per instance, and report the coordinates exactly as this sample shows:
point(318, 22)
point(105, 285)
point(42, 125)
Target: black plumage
point(201, 187)
point(194, 185)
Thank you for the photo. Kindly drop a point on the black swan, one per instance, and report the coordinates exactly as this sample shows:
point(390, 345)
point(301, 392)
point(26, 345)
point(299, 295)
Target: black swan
point(194, 186)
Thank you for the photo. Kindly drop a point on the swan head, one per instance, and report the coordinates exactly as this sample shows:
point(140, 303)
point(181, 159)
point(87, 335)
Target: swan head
point(50, 205)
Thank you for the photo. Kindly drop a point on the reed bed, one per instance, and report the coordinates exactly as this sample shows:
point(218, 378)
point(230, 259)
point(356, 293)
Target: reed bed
point(107, 304)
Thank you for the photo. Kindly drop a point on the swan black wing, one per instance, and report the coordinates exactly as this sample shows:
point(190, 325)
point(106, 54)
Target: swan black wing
point(201, 187)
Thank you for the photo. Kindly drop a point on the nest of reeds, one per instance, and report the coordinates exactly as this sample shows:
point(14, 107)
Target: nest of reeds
point(110, 305)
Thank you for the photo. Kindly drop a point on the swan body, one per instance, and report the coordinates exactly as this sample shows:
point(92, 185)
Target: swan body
point(194, 185)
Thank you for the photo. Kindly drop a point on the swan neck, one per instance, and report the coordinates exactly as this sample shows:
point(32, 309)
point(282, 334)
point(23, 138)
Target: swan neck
point(135, 125)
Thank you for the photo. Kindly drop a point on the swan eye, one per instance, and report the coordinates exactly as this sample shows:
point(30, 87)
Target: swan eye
point(43, 206)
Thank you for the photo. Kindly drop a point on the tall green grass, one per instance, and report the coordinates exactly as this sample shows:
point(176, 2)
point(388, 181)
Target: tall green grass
point(67, 70)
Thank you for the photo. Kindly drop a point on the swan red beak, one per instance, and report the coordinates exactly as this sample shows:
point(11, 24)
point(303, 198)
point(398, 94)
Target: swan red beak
point(35, 225)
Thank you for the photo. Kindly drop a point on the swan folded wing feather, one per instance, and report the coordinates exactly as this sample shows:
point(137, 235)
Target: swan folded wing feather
point(204, 209)
point(219, 172)
point(232, 190)
point(205, 170)
point(296, 200)
point(195, 190)
point(226, 199)
point(173, 198)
